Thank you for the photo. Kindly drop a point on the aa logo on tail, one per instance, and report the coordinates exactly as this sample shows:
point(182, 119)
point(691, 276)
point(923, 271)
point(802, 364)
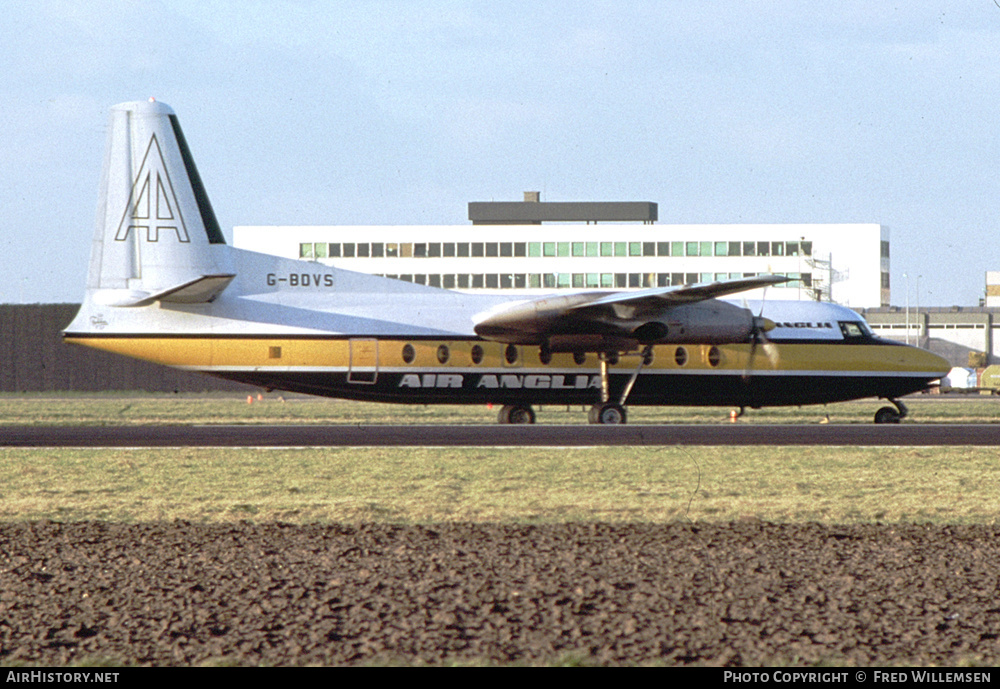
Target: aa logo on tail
point(152, 203)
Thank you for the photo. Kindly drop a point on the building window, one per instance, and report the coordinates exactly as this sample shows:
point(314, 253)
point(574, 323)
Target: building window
point(462, 250)
point(763, 248)
point(364, 250)
point(305, 250)
point(378, 249)
point(448, 249)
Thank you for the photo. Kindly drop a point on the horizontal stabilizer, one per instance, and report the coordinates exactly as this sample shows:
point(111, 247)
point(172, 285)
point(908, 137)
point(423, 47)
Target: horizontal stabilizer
point(198, 291)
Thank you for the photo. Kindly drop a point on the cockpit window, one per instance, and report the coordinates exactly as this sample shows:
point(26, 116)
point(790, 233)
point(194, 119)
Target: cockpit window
point(853, 329)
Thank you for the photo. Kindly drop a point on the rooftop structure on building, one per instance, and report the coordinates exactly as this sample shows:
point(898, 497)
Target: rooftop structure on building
point(534, 211)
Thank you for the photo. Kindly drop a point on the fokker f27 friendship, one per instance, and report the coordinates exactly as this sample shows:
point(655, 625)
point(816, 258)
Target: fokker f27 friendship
point(164, 286)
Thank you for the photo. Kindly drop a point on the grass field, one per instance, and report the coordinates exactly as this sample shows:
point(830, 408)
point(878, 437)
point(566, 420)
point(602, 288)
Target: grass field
point(214, 408)
point(422, 485)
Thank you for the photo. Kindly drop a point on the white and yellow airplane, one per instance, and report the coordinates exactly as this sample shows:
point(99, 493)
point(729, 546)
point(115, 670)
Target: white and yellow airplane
point(165, 287)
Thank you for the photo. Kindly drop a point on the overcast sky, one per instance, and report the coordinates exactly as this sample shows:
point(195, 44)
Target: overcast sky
point(730, 111)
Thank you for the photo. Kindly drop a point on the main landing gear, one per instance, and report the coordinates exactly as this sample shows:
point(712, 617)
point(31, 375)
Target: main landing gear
point(890, 415)
point(609, 412)
point(606, 411)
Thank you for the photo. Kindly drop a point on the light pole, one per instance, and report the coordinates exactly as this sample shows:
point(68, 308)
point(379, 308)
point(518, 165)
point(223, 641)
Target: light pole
point(907, 278)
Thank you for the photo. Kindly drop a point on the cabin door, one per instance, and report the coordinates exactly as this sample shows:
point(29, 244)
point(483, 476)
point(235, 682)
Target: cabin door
point(363, 366)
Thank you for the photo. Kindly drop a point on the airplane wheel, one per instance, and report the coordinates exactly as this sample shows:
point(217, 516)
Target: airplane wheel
point(607, 413)
point(887, 415)
point(516, 413)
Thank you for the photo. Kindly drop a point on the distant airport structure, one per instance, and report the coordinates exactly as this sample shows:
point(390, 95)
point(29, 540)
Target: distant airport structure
point(595, 245)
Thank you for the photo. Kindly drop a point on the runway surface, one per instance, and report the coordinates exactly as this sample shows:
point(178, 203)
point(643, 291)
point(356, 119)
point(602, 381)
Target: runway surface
point(497, 435)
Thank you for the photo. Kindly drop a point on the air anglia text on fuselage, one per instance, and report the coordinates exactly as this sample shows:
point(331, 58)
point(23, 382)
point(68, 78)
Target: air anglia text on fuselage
point(530, 381)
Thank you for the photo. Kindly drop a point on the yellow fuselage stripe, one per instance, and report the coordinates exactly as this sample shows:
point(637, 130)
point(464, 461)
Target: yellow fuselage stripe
point(208, 353)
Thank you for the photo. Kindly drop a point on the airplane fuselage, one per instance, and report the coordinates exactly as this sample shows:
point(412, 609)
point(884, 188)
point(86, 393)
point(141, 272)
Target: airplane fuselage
point(310, 328)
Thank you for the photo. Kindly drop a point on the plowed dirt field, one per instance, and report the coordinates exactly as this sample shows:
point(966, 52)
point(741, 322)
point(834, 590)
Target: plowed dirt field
point(746, 593)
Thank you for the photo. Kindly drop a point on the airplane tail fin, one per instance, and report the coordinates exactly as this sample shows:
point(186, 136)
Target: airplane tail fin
point(156, 234)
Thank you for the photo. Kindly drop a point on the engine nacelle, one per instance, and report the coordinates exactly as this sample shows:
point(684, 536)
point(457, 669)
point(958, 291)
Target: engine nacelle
point(704, 322)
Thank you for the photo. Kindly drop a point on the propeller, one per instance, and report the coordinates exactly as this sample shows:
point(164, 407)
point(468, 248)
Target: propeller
point(758, 340)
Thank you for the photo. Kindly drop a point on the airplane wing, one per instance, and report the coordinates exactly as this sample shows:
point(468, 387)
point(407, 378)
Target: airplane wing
point(623, 319)
point(658, 297)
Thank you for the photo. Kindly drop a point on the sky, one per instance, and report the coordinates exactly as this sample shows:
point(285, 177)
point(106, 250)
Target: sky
point(401, 112)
